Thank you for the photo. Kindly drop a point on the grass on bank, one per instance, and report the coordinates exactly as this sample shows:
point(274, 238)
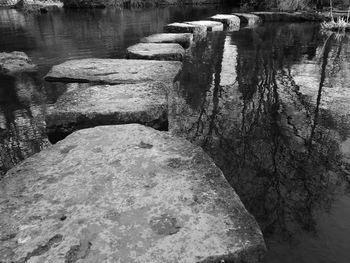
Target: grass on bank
point(341, 24)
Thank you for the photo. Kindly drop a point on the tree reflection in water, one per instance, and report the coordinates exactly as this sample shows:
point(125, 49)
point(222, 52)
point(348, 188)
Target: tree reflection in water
point(22, 123)
point(278, 147)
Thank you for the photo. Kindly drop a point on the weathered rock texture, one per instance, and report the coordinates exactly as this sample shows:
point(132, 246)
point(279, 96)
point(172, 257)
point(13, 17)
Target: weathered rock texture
point(198, 30)
point(15, 62)
point(114, 71)
point(229, 21)
point(185, 39)
point(123, 194)
point(210, 25)
point(7, 3)
point(42, 6)
point(289, 17)
point(156, 51)
point(250, 19)
point(85, 106)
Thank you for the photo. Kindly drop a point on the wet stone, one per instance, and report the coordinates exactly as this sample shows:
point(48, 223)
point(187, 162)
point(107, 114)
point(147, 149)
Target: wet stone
point(114, 71)
point(250, 19)
point(198, 30)
point(183, 39)
point(141, 211)
point(156, 51)
point(210, 25)
point(289, 17)
point(84, 106)
point(229, 21)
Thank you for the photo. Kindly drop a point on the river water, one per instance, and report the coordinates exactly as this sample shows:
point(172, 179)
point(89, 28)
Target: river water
point(270, 104)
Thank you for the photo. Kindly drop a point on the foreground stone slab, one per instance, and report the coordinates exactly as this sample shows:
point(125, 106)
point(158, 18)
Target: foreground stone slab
point(114, 71)
point(210, 25)
point(250, 19)
point(289, 17)
point(84, 106)
point(184, 39)
point(123, 193)
point(198, 30)
point(229, 21)
point(15, 62)
point(156, 51)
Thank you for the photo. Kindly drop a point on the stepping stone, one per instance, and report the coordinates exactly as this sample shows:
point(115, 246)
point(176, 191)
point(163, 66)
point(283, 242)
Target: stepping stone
point(229, 21)
point(124, 193)
point(156, 51)
point(289, 17)
point(200, 30)
point(84, 106)
point(250, 19)
point(114, 71)
point(15, 62)
point(210, 25)
point(185, 39)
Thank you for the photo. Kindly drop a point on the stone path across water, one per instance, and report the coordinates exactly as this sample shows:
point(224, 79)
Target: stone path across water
point(123, 193)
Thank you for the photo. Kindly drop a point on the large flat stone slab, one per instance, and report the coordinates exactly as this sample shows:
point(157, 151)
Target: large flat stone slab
point(229, 21)
point(289, 17)
point(250, 19)
point(84, 106)
point(124, 193)
point(183, 39)
point(156, 51)
point(15, 61)
point(114, 71)
point(198, 30)
point(210, 25)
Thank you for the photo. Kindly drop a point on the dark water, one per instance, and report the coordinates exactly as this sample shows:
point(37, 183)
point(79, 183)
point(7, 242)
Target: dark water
point(270, 104)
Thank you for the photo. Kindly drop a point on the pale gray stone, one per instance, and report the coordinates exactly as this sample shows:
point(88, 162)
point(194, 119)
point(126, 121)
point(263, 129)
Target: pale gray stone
point(210, 25)
point(125, 193)
point(114, 71)
point(197, 30)
point(250, 19)
point(229, 21)
point(184, 39)
point(156, 51)
point(84, 106)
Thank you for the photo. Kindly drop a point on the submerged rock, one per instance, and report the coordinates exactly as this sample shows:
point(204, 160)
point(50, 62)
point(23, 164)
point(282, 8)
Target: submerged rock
point(210, 25)
point(184, 39)
point(123, 193)
point(84, 106)
point(114, 71)
point(229, 21)
point(15, 62)
point(250, 19)
point(156, 51)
